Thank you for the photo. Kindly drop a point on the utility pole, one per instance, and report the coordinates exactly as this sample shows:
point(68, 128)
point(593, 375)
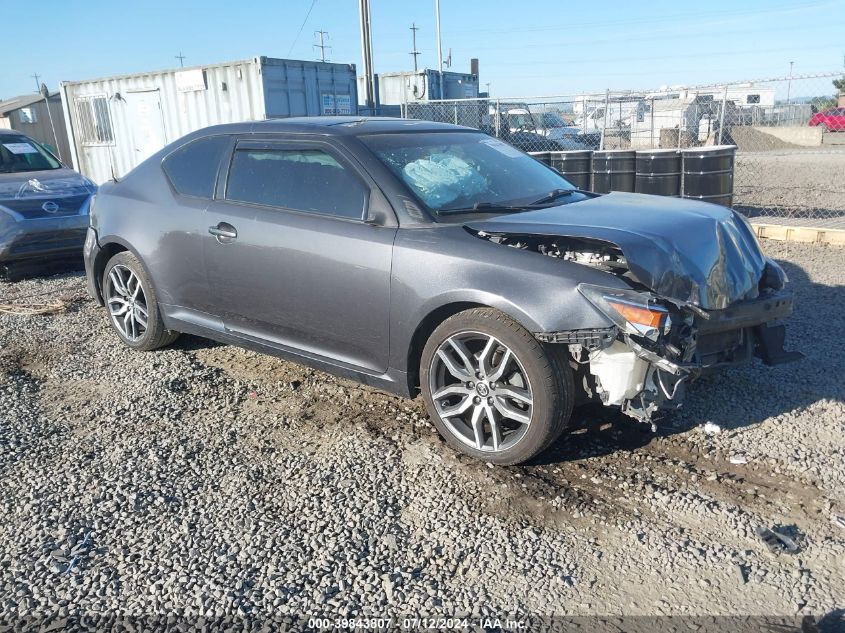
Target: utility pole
point(414, 52)
point(487, 85)
point(45, 93)
point(789, 85)
point(439, 48)
point(181, 59)
point(321, 45)
point(367, 52)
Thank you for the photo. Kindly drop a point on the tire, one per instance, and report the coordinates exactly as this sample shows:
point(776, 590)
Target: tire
point(127, 294)
point(466, 409)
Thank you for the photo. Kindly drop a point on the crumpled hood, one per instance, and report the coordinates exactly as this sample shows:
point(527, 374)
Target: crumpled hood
point(686, 250)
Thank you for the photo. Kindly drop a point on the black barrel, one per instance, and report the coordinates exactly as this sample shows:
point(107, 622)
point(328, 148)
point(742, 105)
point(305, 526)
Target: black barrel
point(709, 173)
point(658, 172)
point(543, 157)
point(613, 170)
point(574, 165)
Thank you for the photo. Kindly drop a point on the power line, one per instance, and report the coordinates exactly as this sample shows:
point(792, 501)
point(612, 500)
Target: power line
point(708, 54)
point(668, 17)
point(322, 46)
point(648, 36)
point(302, 26)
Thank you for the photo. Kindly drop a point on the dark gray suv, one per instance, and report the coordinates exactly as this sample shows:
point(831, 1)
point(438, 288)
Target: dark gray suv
point(425, 257)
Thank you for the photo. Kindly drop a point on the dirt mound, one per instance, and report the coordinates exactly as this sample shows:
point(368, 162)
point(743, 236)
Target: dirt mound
point(749, 139)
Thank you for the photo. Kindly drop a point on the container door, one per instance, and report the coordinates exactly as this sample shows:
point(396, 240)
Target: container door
point(146, 124)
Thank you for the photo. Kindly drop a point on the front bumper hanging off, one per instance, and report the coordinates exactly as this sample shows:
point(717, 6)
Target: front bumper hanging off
point(643, 376)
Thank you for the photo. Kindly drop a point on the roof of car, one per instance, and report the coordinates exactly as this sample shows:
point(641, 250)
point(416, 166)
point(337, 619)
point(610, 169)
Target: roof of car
point(337, 126)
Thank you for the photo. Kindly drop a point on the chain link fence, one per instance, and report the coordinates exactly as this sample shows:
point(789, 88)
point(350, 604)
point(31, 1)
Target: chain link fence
point(789, 134)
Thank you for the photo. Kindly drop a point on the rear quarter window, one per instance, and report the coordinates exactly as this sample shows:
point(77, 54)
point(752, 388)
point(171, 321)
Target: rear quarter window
point(192, 169)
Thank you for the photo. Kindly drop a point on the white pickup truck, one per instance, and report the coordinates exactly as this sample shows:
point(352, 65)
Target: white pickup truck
point(547, 124)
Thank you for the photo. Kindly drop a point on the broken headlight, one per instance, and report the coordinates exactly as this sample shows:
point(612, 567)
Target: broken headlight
point(634, 312)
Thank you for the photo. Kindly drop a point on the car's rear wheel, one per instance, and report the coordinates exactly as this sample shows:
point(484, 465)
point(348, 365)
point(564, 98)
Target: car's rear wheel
point(492, 389)
point(131, 302)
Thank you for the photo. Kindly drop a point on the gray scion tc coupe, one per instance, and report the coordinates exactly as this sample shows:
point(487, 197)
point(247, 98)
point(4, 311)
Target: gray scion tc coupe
point(424, 257)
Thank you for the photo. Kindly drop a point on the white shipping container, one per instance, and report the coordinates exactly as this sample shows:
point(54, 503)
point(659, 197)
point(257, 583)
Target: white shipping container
point(424, 85)
point(116, 122)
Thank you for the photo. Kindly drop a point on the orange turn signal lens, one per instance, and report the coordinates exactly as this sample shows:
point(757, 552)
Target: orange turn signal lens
point(638, 315)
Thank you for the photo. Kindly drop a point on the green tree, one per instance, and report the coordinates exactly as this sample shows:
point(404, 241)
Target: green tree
point(839, 84)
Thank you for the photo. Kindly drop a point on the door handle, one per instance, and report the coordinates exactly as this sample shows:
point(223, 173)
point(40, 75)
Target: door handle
point(223, 230)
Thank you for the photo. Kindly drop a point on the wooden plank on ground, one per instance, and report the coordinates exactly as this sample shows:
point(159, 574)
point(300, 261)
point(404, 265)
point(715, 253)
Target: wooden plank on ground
point(807, 234)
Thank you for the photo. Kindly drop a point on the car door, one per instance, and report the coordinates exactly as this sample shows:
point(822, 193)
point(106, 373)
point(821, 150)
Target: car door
point(169, 229)
point(291, 260)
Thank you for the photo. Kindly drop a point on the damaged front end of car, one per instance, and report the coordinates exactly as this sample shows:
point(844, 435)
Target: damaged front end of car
point(658, 344)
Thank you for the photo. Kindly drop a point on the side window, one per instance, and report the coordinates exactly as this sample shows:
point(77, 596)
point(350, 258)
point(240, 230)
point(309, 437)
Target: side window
point(95, 126)
point(192, 169)
point(300, 179)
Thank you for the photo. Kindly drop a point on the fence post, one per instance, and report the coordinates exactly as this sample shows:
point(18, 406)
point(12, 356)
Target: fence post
point(496, 119)
point(404, 105)
point(604, 126)
point(652, 125)
point(722, 115)
point(680, 124)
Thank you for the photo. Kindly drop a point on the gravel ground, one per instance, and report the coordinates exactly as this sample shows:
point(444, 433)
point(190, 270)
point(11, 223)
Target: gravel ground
point(208, 480)
point(801, 183)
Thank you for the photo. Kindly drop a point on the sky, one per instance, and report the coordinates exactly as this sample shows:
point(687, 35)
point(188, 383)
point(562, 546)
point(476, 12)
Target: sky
point(525, 48)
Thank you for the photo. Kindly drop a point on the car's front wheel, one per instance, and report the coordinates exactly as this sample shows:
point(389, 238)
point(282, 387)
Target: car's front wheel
point(131, 302)
point(492, 389)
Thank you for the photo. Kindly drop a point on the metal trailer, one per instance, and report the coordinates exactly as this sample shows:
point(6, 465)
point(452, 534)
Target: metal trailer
point(40, 120)
point(409, 87)
point(116, 122)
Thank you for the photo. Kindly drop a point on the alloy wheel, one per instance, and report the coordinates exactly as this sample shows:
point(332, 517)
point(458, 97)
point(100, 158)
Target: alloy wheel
point(481, 391)
point(127, 303)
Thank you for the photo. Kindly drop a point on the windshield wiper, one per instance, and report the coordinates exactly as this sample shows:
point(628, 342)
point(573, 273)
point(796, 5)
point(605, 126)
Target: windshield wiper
point(483, 207)
point(493, 207)
point(552, 196)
